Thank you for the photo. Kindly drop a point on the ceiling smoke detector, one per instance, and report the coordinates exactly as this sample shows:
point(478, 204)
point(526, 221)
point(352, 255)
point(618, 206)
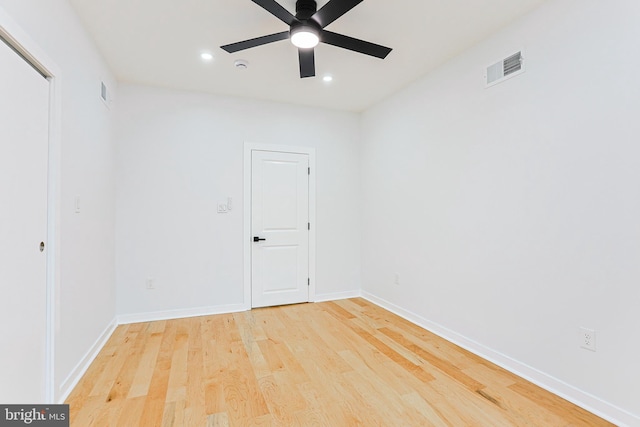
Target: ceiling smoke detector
point(241, 64)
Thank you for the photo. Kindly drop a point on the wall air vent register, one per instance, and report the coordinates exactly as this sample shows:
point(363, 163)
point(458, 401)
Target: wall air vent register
point(511, 66)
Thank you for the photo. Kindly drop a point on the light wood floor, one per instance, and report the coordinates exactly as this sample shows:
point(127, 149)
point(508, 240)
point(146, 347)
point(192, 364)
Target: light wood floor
point(344, 363)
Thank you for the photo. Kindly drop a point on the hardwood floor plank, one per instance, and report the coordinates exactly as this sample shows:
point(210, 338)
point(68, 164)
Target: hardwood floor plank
point(154, 405)
point(248, 326)
point(443, 365)
point(428, 412)
point(387, 376)
point(142, 380)
point(195, 402)
point(282, 399)
point(243, 396)
point(213, 345)
point(381, 404)
point(332, 332)
point(131, 412)
point(574, 415)
point(360, 302)
point(342, 363)
point(312, 418)
point(337, 308)
point(108, 376)
point(169, 414)
point(291, 362)
point(89, 412)
point(478, 410)
point(413, 368)
point(177, 386)
point(353, 407)
point(214, 397)
point(270, 355)
point(218, 420)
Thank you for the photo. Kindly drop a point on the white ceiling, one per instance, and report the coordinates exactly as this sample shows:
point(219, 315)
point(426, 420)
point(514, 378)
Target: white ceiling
point(158, 42)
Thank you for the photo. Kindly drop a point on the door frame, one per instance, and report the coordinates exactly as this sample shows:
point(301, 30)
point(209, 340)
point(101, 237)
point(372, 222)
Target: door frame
point(19, 40)
point(249, 148)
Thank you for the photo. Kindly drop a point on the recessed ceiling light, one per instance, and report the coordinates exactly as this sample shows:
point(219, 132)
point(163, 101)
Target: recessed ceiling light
point(206, 56)
point(327, 79)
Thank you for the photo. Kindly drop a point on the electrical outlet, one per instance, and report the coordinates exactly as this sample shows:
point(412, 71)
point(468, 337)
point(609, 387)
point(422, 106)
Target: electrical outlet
point(588, 339)
point(150, 283)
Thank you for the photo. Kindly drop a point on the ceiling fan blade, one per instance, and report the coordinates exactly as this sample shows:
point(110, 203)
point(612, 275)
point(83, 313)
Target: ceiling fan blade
point(333, 10)
point(356, 45)
point(276, 10)
point(307, 63)
point(258, 41)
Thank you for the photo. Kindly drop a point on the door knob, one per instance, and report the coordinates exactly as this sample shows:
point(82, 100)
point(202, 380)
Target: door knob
point(257, 239)
point(41, 246)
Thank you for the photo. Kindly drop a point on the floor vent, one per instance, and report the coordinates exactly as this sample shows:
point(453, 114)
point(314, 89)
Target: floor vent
point(505, 69)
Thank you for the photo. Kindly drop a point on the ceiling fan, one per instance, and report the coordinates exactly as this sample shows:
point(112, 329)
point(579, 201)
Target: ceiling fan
point(306, 30)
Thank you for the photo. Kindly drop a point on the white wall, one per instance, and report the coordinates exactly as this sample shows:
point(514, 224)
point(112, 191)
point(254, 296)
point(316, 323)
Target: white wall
point(512, 214)
point(86, 293)
point(178, 154)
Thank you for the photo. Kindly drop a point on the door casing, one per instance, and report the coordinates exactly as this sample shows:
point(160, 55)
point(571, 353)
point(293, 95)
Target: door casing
point(247, 236)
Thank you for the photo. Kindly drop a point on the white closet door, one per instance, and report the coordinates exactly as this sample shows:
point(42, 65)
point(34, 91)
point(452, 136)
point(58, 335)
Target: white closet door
point(24, 120)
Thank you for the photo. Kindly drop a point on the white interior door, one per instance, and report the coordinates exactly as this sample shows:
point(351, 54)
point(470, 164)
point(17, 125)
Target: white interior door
point(24, 121)
point(280, 218)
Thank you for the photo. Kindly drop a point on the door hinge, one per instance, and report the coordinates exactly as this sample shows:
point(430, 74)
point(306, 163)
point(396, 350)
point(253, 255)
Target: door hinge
point(308, 226)
point(309, 171)
point(308, 281)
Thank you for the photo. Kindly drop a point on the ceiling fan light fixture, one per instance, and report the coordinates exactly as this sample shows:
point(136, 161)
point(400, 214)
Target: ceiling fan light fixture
point(304, 37)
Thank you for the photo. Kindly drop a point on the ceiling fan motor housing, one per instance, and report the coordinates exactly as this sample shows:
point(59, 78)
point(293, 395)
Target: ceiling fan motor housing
point(305, 9)
point(308, 25)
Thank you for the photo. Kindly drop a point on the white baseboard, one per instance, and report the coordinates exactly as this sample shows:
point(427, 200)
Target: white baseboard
point(574, 395)
point(125, 319)
point(337, 296)
point(76, 374)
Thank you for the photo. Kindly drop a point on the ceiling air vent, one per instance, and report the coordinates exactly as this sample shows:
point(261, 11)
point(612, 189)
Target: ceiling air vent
point(505, 69)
